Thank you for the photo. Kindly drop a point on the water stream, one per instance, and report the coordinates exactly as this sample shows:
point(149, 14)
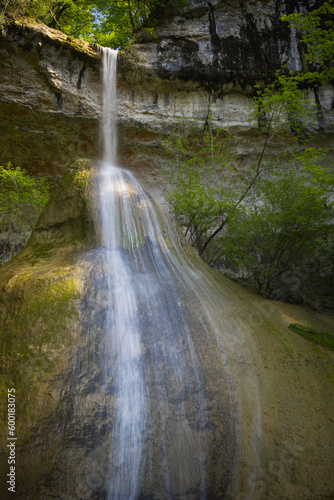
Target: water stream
point(173, 433)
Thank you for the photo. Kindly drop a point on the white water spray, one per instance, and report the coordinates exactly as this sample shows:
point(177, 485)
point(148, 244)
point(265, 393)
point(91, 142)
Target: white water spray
point(160, 443)
point(122, 314)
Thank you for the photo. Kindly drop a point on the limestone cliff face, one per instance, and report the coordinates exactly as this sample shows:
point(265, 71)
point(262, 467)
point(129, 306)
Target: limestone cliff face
point(221, 41)
point(49, 98)
point(204, 60)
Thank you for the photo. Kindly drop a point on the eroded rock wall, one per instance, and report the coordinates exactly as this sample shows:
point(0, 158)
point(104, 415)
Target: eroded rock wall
point(49, 98)
point(201, 62)
point(204, 62)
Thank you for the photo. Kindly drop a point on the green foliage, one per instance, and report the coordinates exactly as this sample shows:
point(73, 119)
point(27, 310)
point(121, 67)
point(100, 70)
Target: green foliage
point(37, 9)
point(326, 339)
point(317, 35)
point(314, 166)
point(21, 200)
point(112, 23)
point(269, 225)
point(282, 108)
point(198, 199)
point(279, 227)
point(194, 204)
point(274, 227)
point(96, 21)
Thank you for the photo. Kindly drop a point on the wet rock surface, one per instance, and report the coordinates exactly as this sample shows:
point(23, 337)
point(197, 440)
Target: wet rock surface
point(263, 384)
point(56, 347)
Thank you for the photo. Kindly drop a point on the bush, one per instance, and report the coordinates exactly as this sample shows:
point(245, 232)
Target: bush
point(21, 200)
point(274, 236)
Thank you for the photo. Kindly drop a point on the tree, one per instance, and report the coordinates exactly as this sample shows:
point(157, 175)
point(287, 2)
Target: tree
point(38, 9)
point(284, 226)
point(278, 218)
point(21, 200)
point(198, 199)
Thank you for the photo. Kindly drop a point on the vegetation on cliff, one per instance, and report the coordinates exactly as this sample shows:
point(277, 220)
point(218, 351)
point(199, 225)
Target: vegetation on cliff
point(317, 37)
point(110, 23)
point(271, 225)
point(22, 198)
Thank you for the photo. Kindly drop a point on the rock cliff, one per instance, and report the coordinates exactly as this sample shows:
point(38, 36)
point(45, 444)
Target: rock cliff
point(203, 61)
point(51, 301)
point(49, 98)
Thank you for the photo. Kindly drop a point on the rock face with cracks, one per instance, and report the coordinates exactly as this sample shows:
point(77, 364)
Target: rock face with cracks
point(202, 61)
point(49, 98)
point(202, 64)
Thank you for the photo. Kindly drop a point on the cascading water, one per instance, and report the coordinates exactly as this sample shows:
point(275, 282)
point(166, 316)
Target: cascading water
point(171, 429)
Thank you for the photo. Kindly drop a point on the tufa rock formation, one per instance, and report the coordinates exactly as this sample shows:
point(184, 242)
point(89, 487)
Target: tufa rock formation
point(201, 62)
point(53, 352)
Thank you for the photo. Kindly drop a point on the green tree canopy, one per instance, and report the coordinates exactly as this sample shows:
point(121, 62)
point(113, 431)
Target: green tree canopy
point(106, 22)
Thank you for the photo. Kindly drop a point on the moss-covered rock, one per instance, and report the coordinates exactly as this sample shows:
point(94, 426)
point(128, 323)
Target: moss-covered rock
point(41, 289)
point(265, 385)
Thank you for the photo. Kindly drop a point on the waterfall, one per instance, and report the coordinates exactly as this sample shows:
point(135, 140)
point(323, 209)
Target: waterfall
point(163, 438)
point(109, 104)
point(122, 316)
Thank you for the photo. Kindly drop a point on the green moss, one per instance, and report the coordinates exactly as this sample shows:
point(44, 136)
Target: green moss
point(272, 328)
point(51, 299)
point(38, 294)
point(325, 339)
point(37, 330)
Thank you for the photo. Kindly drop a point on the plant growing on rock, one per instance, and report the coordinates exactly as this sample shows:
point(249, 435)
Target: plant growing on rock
point(22, 198)
point(275, 222)
point(112, 23)
point(198, 199)
point(267, 225)
point(317, 37)
point(282, 227)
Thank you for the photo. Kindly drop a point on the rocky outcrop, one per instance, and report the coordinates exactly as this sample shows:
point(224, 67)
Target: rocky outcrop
point(204, 63)
point(218, 42)
point(49, 98)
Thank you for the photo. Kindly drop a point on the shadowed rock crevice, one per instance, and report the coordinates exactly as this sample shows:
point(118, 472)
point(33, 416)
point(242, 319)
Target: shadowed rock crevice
point(81, 75)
